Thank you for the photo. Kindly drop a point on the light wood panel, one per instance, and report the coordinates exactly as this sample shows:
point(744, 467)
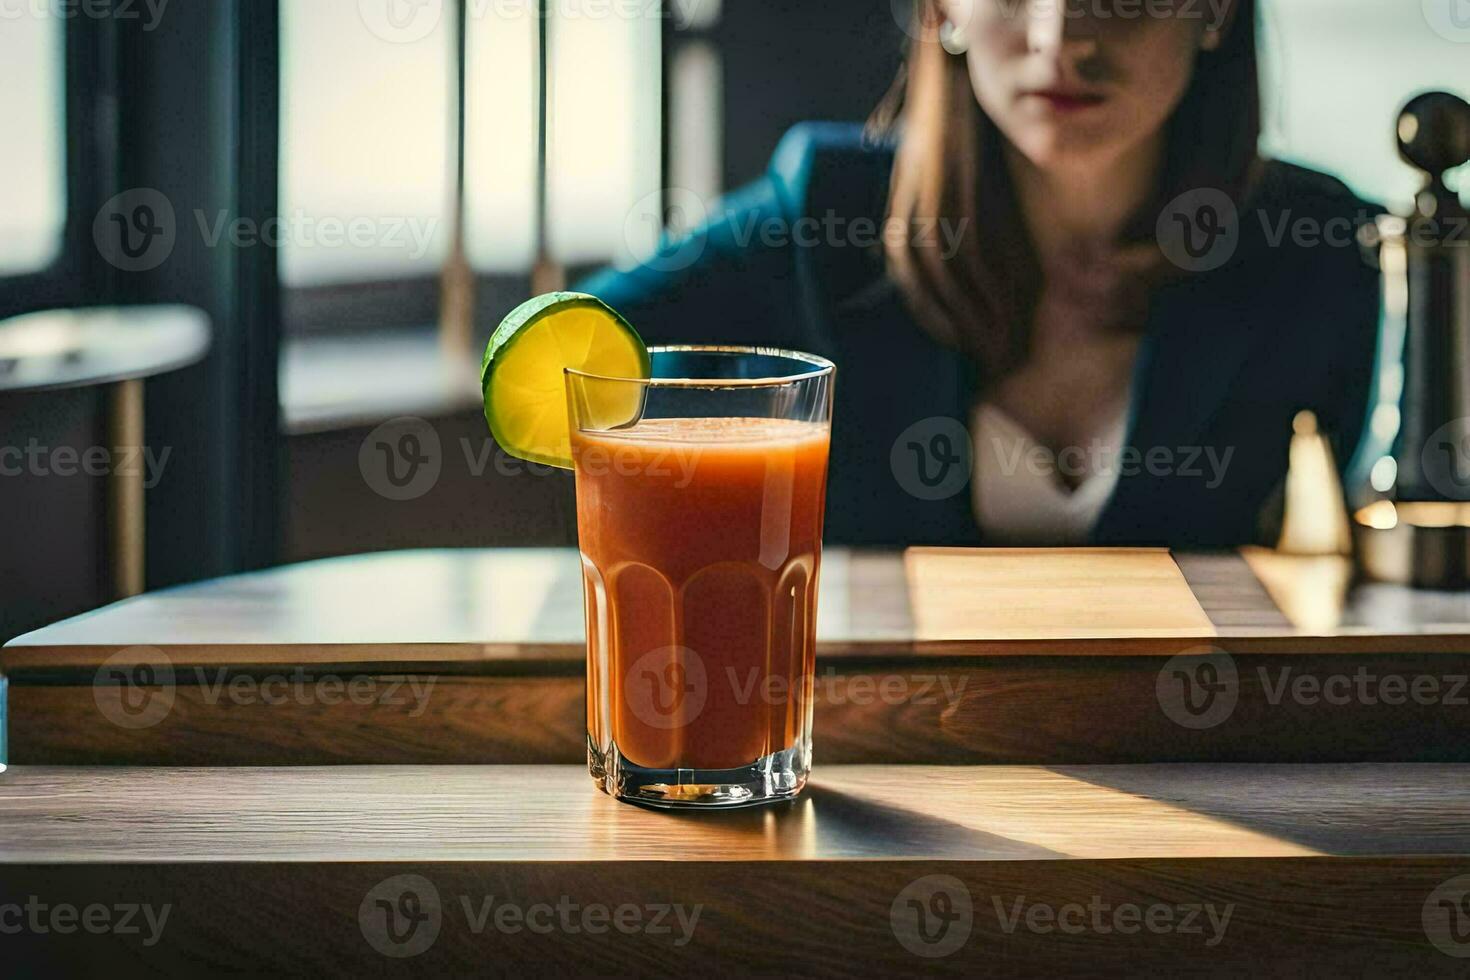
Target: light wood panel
point(417, 607)
point(496, 610)
point(497, 637)
point(1322, 867)
point(554, 813)
point(961, 594)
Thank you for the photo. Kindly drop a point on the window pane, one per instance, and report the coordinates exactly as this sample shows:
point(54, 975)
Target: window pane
point(696, 120)
point(1338, 71)
point(604, 174)
point(32, 117)
point(501, 136)
point(367, 135)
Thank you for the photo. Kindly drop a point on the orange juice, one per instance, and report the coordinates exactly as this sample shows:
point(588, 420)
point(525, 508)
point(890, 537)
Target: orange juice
point(701, 543)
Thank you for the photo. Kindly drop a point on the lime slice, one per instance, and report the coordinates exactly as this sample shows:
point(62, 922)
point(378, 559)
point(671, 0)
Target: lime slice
point(522, 374)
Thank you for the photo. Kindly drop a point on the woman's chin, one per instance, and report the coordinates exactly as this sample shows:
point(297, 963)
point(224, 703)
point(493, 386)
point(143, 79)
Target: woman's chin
point(1068, 147)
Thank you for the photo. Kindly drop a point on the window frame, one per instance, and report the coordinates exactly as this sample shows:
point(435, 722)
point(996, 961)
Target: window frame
point(89, 86)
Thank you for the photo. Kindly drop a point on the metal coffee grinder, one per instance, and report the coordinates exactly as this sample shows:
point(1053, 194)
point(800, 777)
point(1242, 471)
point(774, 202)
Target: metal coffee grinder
point(1411, 513)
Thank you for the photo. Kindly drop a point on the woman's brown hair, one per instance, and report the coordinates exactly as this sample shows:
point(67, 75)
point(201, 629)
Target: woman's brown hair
point(949, 168)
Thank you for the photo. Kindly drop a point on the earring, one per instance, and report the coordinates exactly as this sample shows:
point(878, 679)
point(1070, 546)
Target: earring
point(951, 40)
point(1211, 41)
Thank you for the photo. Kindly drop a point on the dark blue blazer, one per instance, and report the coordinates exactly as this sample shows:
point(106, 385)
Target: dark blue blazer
point(1228, 356)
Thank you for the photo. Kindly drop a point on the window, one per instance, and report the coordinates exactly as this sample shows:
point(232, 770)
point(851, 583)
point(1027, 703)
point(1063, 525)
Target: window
point(1336, 74)
point(603, 102)
point(406, 219)
point(371, 146)
point(502, 140)
point(33, 164)
point(367, 146)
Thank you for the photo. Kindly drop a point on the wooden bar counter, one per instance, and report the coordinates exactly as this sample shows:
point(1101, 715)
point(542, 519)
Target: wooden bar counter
point(944, 657)
point(1030, 762)
point(877, 870)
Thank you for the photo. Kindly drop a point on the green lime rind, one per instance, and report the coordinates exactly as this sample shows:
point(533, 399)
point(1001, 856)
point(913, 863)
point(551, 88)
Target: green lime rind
point(514, 326)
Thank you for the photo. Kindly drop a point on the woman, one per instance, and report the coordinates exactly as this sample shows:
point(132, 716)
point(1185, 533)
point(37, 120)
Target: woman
point(1060, 289)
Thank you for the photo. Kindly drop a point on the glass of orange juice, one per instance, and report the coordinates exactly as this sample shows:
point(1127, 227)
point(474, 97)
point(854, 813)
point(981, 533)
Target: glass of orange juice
point(700, 498)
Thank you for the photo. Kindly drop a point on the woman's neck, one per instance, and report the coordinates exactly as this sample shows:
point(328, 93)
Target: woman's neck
point(1085, 207)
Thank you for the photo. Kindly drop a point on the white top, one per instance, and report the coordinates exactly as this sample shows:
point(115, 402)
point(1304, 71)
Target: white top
point(1018, 492)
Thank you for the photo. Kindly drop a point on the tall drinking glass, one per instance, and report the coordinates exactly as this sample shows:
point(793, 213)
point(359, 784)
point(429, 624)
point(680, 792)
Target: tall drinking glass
point(700, 496)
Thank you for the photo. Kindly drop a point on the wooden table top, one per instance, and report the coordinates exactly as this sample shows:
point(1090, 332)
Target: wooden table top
point(1236, 869)
point(554, 814)
point(519, 605)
